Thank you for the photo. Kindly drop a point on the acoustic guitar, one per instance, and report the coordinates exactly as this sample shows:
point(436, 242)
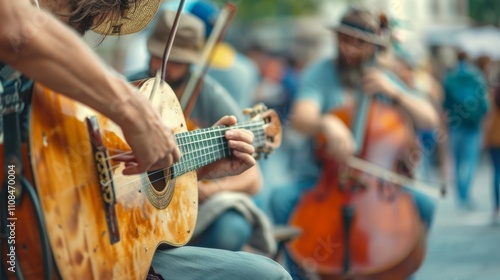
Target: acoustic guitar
point(100, 223)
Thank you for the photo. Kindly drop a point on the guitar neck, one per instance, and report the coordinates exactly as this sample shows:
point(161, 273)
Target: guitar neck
point(204, 146)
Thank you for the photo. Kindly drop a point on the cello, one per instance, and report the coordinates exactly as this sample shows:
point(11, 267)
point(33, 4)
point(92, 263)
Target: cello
point(357, 225)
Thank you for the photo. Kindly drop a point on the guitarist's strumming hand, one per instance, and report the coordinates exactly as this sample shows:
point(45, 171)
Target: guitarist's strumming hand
point(152, 142)
point(240, 142)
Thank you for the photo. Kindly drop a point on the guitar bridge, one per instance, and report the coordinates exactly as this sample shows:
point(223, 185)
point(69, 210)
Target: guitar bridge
point(105, 178)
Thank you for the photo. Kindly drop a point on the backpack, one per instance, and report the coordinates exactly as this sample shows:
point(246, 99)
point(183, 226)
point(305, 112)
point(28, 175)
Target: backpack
point(466, 93)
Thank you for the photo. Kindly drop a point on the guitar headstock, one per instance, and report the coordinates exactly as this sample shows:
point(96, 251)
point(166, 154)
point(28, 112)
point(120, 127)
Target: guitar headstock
point(269, 138)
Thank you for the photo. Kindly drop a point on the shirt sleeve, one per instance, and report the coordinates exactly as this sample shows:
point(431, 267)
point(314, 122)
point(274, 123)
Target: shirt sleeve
point(310, 82)
point(214, 102)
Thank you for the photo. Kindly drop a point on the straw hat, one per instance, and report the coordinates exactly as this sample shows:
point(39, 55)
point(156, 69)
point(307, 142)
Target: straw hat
point(362, 24)
point(189, 39)
point(135, 19)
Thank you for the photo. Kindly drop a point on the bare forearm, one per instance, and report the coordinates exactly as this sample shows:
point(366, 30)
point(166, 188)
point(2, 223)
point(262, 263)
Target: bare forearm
point(421, 110)
point(308, 126)
point(247, 182)
point(306, 118)
point(63, 62)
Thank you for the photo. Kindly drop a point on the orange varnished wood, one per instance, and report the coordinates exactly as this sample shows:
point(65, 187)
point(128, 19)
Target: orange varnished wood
point(191, 125)
point(387, 236)
point(67, 184)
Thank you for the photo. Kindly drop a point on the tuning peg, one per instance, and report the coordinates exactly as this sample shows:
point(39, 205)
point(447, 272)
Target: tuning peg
point(258, 108)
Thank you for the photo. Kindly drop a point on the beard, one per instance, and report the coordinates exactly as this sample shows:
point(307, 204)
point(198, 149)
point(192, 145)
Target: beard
point(349, 71)
point(175, 84)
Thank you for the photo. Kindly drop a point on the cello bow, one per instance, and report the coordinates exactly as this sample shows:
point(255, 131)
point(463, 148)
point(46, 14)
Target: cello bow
point(190, 94)
point(393, 177)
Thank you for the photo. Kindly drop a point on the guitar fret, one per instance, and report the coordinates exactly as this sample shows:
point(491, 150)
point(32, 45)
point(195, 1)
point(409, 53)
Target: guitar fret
point(199, 146)
point(204, 146)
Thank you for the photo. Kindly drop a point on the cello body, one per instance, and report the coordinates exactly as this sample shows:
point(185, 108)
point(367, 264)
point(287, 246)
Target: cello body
point(356, 226)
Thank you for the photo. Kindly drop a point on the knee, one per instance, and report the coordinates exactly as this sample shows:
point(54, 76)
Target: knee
point(278, 273)
point(268, 269)
point(237, 225)
point(231, 231)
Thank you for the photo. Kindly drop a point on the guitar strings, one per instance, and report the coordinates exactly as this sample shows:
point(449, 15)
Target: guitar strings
point(128, 183)
point(180, 137)
point(257, 136)
point(260, 136)
point(189, 161)
point(185, 163)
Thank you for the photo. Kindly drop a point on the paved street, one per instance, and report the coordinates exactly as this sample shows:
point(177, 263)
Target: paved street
point(464, 245)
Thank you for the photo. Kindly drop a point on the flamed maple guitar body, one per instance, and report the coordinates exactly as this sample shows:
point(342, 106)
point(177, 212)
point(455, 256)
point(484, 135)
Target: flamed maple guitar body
point(101, 224)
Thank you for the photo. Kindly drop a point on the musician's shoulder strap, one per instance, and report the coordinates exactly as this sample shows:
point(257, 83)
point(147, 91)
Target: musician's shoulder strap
point(6, 74)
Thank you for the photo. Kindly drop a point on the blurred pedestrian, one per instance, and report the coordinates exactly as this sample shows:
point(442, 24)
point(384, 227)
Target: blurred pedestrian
point(465, 105)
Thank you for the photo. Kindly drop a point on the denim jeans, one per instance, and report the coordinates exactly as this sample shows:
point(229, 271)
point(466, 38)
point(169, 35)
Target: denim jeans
point(230, 231)
point(211, 264)
point(284, 199)
point(495, 158)
point(465, 144)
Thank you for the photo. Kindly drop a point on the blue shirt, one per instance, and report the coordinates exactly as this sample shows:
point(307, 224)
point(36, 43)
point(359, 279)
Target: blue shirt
point(213, 103)
point(240, 80)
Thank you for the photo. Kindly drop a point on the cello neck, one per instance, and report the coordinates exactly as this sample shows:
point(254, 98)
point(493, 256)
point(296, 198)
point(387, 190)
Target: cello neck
point(363, 102)
point(358, 125)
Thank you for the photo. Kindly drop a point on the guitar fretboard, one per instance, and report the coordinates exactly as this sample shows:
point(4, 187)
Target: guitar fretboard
point(204, 146)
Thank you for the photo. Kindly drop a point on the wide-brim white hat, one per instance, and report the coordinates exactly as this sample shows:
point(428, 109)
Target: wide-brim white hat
point(135, 19)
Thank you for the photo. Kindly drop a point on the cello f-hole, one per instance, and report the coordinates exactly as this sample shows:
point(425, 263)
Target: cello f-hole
point(386, 192)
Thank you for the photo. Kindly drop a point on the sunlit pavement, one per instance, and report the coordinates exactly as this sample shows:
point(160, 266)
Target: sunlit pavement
point(464, 245)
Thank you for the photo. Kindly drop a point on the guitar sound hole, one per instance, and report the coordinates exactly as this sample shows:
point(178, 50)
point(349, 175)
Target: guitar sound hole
point(158, 180)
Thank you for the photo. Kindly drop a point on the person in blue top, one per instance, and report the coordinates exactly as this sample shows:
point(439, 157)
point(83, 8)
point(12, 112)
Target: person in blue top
point(465, 105)
point(330, 84)
point(232, 69)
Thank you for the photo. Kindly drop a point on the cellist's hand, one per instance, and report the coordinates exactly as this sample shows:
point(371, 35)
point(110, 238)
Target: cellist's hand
point(375, 81)
point(339, 141)
point(240, 142)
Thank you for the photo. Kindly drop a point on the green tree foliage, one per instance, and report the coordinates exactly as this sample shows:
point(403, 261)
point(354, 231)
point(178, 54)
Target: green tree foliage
point(485, 11)
point(249, 10)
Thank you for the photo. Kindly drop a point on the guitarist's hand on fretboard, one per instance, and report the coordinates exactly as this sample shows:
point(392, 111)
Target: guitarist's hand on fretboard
point(240, 142)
